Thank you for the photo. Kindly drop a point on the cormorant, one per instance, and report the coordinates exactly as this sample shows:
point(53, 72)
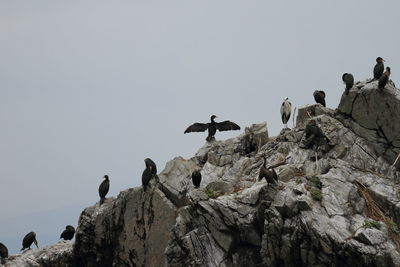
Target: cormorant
point(28, 240)
point(196, 178)
point(313, 129)
point(379, 68)
point(68, 233)
point(152, 165)
point(3, 251)
point(103, 189)
point(212, 127)
point(268, 173)
point(149, 172)
point(315, 139)
point(383, 80)
point(348, 79)
point(319, 97)
point(286, 109)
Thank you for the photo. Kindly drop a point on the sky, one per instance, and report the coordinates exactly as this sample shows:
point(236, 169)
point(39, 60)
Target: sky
point(89, 88)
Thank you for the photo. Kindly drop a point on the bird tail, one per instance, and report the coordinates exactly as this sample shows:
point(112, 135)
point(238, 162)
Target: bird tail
point(102, 200)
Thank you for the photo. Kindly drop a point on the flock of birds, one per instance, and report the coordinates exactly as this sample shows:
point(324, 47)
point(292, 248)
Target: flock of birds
point(150, 171)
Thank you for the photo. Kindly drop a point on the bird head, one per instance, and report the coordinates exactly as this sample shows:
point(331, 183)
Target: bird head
point(69, 227)
point(379, 60)
point(344, 76)
point(286, 98)
point(312, 123)
point(105, 177)
point(388, 69)
point(213, 117)
point(148, 164)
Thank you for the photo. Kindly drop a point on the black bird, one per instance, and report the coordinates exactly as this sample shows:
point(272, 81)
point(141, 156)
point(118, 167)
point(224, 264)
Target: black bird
point(212, 127)
point(152, 165)
point(3, 251)
point(312, 129)
point(383, 80)
point(103, 189)
point(28, 240)
point(379, 68)
point(68, 233)
point(196, 178)
point(268, 173)
point(149, 172)
point(319, 97)
point(348, 79)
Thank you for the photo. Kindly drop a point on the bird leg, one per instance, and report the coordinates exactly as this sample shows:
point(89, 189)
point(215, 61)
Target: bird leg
point(294, 113)
point(394, 163)
point(316, 162)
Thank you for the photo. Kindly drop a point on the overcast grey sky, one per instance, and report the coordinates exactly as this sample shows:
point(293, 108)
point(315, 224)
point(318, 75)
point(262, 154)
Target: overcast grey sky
point(89, 88)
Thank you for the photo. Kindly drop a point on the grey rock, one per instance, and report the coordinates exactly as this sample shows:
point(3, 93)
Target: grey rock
point(57, 255)
point(253, 223)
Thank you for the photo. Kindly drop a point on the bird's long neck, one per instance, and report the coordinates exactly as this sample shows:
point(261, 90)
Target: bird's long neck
point(212, 120)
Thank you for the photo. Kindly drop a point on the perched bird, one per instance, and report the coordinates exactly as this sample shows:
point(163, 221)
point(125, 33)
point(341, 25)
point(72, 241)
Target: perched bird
point(149, 172)
point(383, 80)
point(379, 68)
point(319, 97)
point(152, 165)
point(312, 129)
point(314, 138)
point(348, 79)
point(286, 109)
point(3, 251)
point(28, 240)
point(196, 178)
point(212, 127)
point(268, 173)
point(68, 233)
point(103, 189)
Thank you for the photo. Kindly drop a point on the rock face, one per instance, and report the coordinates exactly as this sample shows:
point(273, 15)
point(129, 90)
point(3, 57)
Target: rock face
point(57, 255)
point(375, 115)
point(332, 206)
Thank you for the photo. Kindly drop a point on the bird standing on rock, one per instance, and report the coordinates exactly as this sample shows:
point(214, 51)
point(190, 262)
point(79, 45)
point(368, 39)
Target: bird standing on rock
point(103, 189)
point(28, 240)
point(3, 251)
point(268, 173)
point(68, 233)
point(212, 127)
point(383, 80)
point(149, 172)
point(196, 178)
point(286, 109)
point(348, 79)
point(379, 68)
point(319, 97)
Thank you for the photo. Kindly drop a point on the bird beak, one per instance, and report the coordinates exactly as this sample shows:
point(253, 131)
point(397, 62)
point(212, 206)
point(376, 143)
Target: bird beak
point(383, 60)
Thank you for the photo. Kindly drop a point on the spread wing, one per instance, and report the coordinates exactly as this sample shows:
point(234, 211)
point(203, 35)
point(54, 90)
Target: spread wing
point(197, 127)
point(227, 126)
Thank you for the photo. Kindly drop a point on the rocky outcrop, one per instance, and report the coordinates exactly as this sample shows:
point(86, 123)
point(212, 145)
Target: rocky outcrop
point(57, 255)
point(130, 230)
point(375, 115)
point(335, 205)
